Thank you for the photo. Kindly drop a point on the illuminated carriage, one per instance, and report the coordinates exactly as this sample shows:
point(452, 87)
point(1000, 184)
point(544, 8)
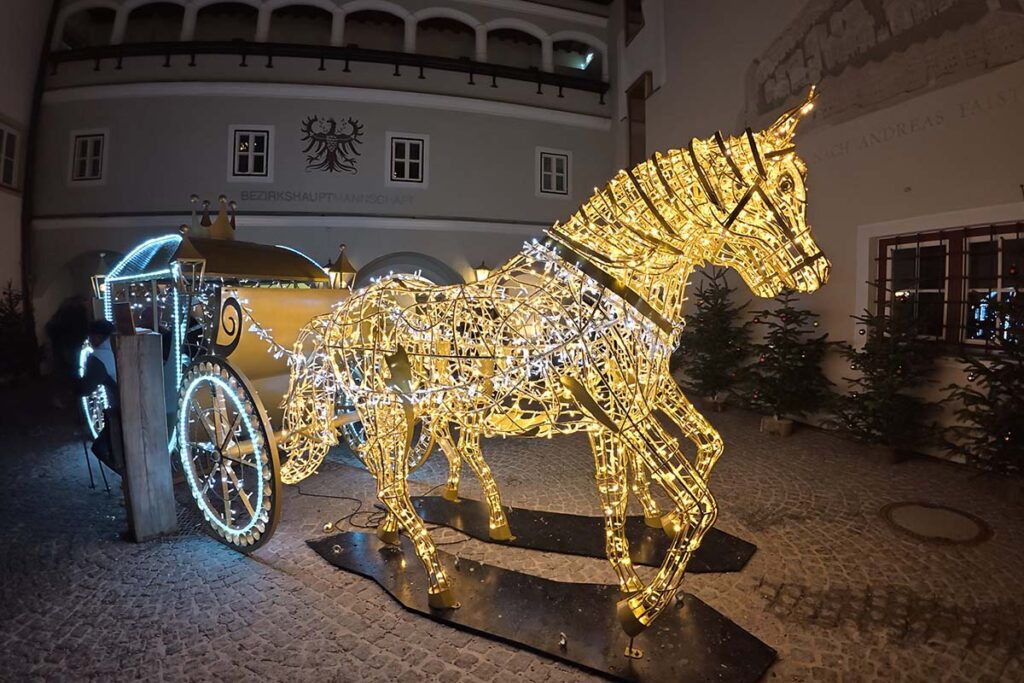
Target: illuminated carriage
point(223, 390)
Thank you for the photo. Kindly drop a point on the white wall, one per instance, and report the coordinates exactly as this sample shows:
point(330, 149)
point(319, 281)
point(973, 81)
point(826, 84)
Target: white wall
point(953, 148)
point(20, 43)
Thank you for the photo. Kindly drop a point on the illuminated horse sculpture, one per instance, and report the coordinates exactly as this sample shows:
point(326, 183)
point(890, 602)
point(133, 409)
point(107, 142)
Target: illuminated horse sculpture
point(573, 334)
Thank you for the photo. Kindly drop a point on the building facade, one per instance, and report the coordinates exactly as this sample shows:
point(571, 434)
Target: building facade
point(415, 131)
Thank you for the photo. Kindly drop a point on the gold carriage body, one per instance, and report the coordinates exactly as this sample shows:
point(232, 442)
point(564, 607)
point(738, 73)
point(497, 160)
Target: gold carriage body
point(215, 301)
point(198, 292)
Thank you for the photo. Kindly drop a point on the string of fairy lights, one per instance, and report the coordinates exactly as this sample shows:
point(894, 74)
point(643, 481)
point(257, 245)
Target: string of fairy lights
point(573, 334)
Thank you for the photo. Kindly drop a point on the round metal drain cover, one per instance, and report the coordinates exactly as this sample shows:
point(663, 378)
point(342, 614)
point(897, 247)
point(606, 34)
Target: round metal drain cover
point(936, 523)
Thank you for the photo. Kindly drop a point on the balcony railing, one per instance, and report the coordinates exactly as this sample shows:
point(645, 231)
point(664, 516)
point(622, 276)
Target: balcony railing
point(246, 50)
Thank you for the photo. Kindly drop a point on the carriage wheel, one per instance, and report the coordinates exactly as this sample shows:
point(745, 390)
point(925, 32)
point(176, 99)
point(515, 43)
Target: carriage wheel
point(95, 403)
point(229, 455)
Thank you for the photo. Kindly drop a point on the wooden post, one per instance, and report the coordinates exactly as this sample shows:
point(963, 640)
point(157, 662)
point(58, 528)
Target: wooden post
point(149, 490)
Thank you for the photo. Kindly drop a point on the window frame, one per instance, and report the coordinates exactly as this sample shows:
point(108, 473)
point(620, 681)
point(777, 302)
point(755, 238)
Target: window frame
point(539, 155)
point(104, 135)
point(389, 160)
point(7, 129)
point(233, 131)
point(957, 289)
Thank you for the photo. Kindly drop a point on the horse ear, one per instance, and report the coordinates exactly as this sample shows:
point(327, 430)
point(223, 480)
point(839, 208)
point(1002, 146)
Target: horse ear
point(781, 133)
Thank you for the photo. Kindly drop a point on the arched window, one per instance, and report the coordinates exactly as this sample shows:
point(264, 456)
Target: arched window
point(225, 21)
point(375, 30)
point(300, 24)
point(574, 58)
point(88, 28)
point(512, 47)
point(158, 22)
point(443, 37)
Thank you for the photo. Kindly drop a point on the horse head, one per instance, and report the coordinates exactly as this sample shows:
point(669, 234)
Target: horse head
point(756, 203)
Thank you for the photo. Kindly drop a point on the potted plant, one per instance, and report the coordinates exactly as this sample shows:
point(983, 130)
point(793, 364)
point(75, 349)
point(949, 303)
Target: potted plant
point(715, 342)
point(786, 379)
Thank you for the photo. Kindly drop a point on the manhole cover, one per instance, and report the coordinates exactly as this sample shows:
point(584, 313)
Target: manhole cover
point(936, 523)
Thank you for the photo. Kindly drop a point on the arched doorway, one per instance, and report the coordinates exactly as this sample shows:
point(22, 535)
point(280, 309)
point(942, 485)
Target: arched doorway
point(433, 269)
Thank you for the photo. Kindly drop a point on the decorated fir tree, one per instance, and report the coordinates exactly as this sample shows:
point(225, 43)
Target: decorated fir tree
point(715, 342)
point(786, 378)
point(990, 432)
point(882, 406)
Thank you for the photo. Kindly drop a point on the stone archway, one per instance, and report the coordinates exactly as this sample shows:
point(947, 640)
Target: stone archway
point(433, 269)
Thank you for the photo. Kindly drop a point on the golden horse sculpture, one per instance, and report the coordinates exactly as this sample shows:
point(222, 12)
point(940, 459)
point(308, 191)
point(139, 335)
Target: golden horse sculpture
point(573, 334)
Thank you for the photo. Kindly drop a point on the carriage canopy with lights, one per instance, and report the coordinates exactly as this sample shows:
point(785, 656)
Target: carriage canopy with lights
point(202, 291)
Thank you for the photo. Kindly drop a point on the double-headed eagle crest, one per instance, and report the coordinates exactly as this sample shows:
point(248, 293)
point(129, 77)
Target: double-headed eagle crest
point(331, 147)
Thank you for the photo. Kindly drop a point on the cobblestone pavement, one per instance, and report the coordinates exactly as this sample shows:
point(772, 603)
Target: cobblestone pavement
point(838, 592)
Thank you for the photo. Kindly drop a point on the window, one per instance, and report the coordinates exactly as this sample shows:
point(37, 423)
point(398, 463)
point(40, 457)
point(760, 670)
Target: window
point(250, 155)
point(636, 111)
point(947, 280)
point(8, 158)
point(553, 172)
point(407, 159)
point(634, 19)
point(88, 156)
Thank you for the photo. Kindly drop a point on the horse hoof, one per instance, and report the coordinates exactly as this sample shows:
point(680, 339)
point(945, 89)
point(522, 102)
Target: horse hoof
point(451, 494)
point(387, 536)
point(501, 533)
point(443, 600)
point(653, 521)
point(672, 524)
point(628, 619)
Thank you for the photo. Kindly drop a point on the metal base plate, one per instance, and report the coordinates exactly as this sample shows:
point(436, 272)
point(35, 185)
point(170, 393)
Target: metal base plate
point(689, 642)
point(583, 535)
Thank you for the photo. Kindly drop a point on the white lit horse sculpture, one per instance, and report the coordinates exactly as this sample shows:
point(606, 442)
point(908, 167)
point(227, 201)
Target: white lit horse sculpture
point(573, 334)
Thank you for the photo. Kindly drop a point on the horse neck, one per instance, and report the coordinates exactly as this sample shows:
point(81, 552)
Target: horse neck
point(615, 235)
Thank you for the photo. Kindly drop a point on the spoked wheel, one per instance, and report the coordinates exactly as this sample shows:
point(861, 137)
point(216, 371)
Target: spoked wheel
point(229, 455)
point(95, 403)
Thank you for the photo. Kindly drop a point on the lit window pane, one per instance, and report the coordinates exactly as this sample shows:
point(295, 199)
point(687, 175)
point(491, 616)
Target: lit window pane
point(979, 323)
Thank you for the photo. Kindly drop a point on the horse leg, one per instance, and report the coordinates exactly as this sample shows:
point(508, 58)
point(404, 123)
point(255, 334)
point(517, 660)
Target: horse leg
point(693, 425)
point(690, 496)
point(389, 425)
point(640, 485)
point(443, 434)
point(469, 447)
point(610, 466)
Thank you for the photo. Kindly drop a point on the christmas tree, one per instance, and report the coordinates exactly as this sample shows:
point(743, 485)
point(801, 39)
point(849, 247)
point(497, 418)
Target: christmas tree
point(714, 343)
point(991, 413)
point(881, 406)
point(787, 379)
